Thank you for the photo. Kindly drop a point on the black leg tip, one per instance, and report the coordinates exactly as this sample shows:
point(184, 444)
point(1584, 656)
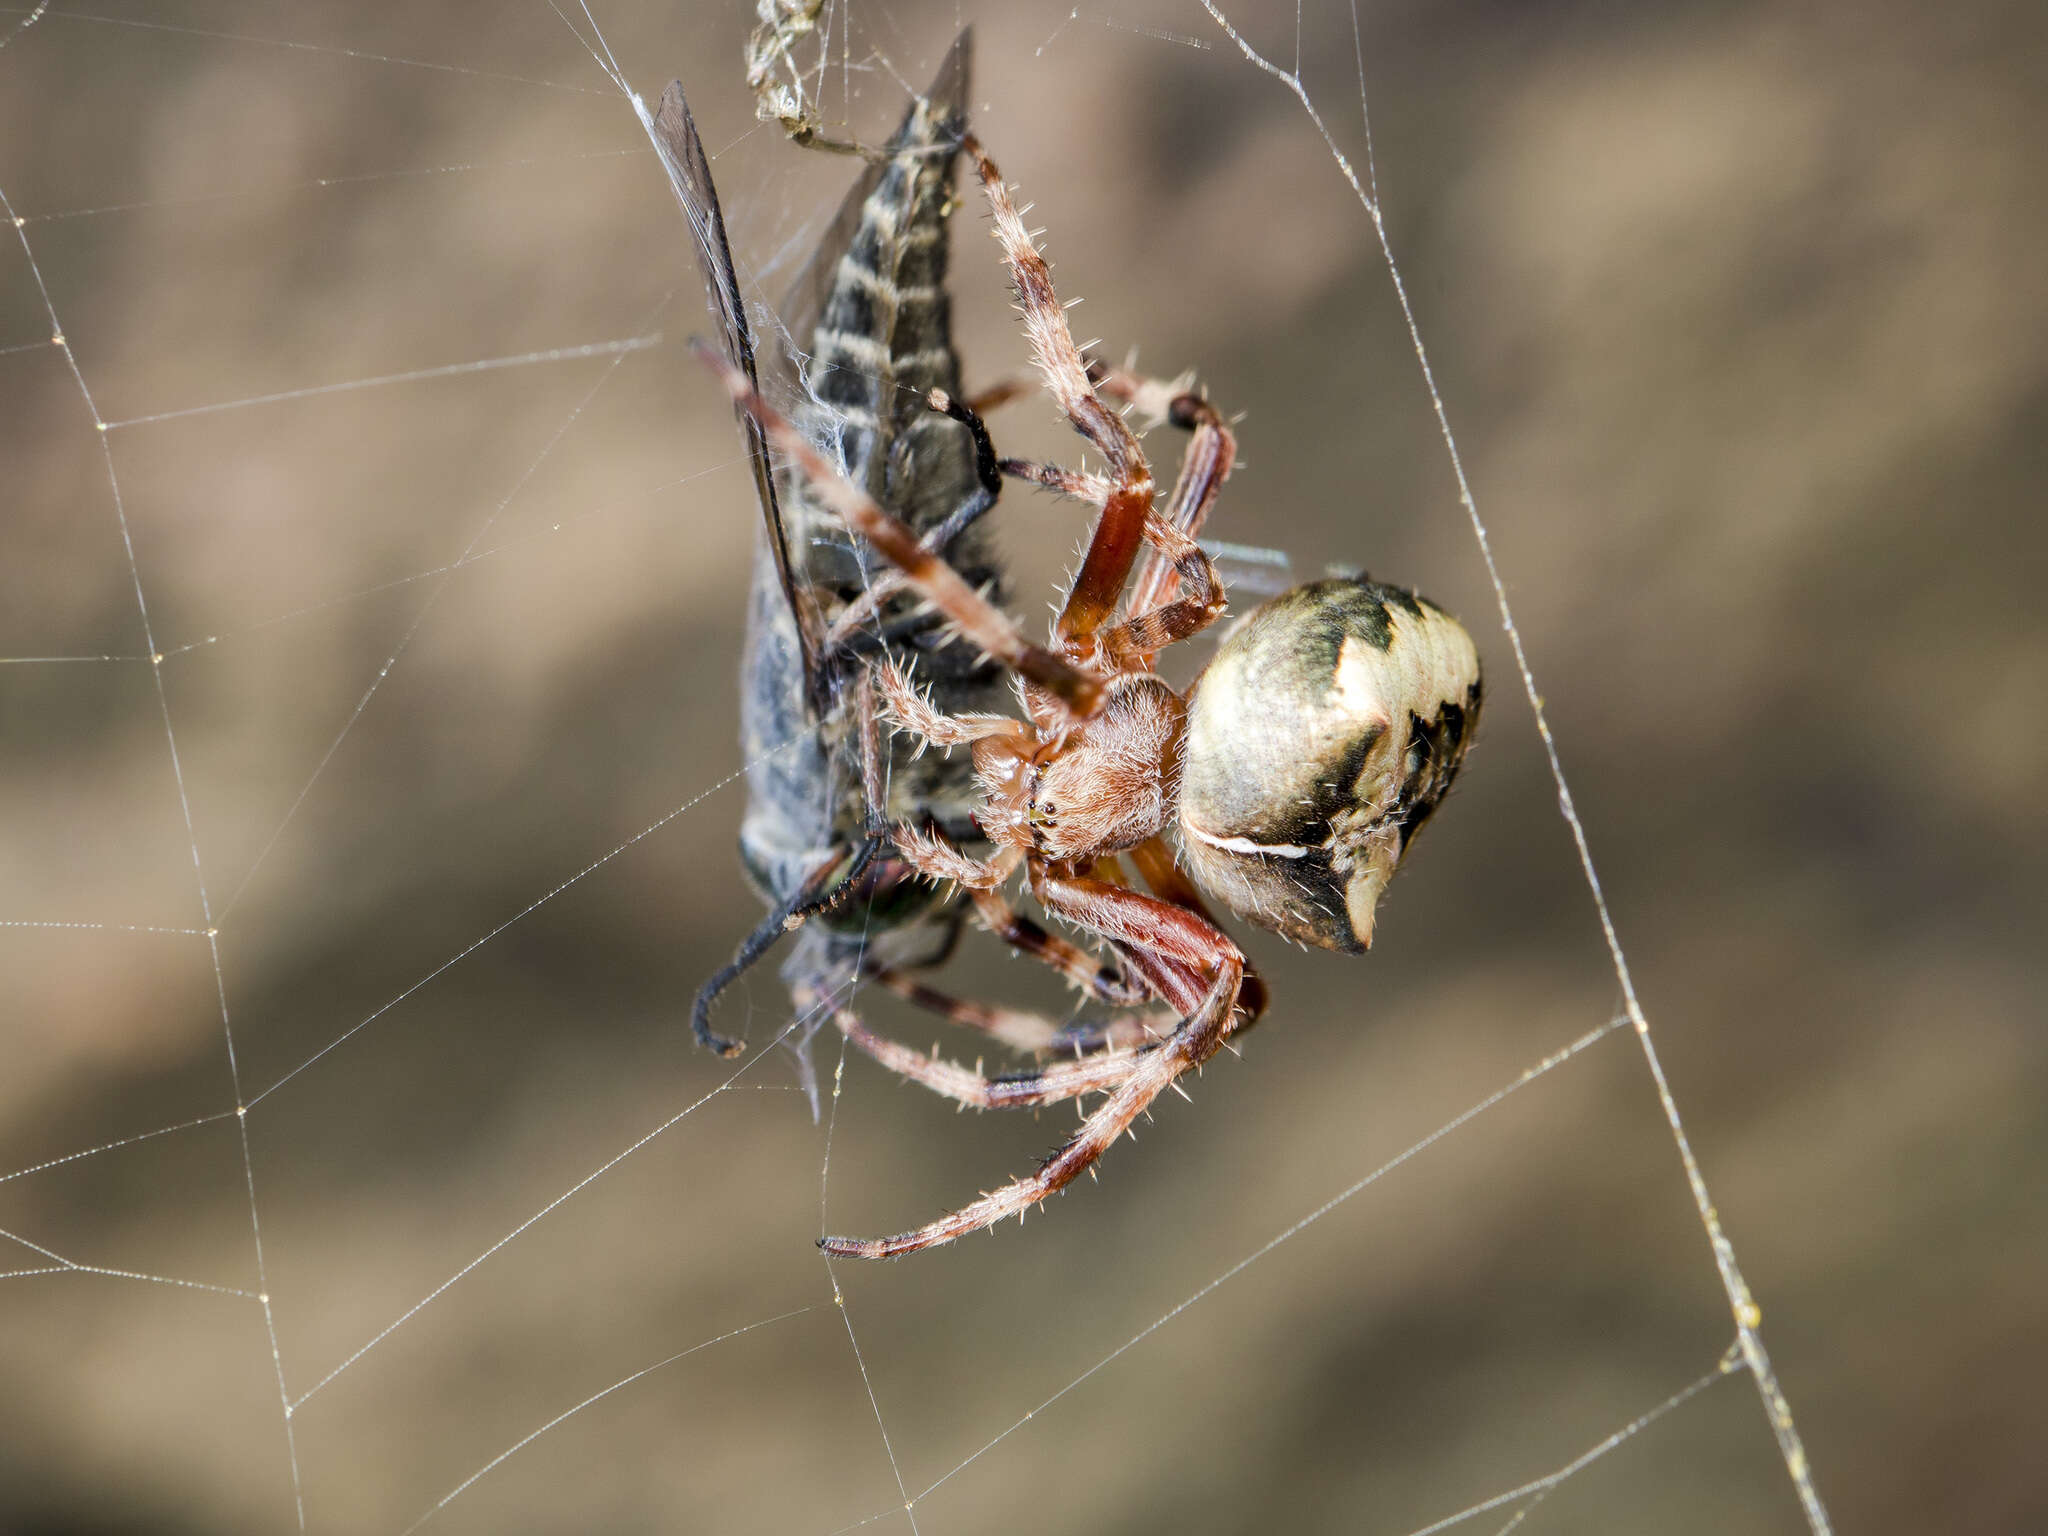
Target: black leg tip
point(718, 1045)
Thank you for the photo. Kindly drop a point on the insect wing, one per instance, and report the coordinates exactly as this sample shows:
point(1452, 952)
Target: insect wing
point(674, 133)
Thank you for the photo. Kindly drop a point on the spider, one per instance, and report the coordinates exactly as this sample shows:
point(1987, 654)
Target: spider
point(1324, 731)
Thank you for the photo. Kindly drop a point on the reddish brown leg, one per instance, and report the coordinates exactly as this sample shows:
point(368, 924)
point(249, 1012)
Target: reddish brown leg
point(1099, 981)
point(1199, 952)
point(1120, 531)
point(1168, 881)
point(994, 632)
point(988, 472)
point(1029, 1034)
point(1152, 1072)
point(1001, 393)
point(938, 859)
point(1204, 466)
point(966, 1085)
point(1131, 645)
point(1092, 489)
point(1160, 620)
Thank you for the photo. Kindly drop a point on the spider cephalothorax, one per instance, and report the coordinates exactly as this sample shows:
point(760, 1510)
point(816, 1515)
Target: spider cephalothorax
point(1325, 730)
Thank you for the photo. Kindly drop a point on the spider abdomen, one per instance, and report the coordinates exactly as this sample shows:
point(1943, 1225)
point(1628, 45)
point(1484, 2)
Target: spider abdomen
point(1329, 725)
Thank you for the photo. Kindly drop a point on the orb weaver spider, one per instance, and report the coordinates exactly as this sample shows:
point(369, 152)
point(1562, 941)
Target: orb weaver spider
point(1325, 730)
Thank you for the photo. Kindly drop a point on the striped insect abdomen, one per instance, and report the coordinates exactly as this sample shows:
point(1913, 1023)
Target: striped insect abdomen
point(880, 343)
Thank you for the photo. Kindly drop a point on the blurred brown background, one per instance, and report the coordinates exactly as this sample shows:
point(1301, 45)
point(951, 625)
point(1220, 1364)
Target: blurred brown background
point(1738, 313)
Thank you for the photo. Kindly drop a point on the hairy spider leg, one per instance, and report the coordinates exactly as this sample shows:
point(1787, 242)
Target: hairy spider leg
point(1027, 1033)
point(1203, 952)
point(1205, 463)
point(1104, 983)
point(1077, 688)
point(1120, 530)
point(1019, 1090)
point(911, 711)
point(1127, 521)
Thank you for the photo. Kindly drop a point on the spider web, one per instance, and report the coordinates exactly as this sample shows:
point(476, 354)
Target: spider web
point(372, 610)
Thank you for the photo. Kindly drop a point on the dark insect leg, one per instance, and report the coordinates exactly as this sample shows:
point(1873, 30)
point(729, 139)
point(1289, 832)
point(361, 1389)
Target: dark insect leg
point(989, 477)
point(818, 895)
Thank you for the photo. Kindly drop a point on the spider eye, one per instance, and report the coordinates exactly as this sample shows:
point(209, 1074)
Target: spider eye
point(1328, 727)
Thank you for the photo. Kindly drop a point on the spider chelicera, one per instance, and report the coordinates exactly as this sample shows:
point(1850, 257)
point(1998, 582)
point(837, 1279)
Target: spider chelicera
point(1325, 730)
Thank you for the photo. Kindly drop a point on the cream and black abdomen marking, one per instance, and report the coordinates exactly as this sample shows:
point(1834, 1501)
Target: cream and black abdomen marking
point(1329, 725)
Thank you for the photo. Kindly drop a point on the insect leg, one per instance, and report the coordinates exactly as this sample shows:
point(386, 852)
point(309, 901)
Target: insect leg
point(819, 894)
point(988, 473)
